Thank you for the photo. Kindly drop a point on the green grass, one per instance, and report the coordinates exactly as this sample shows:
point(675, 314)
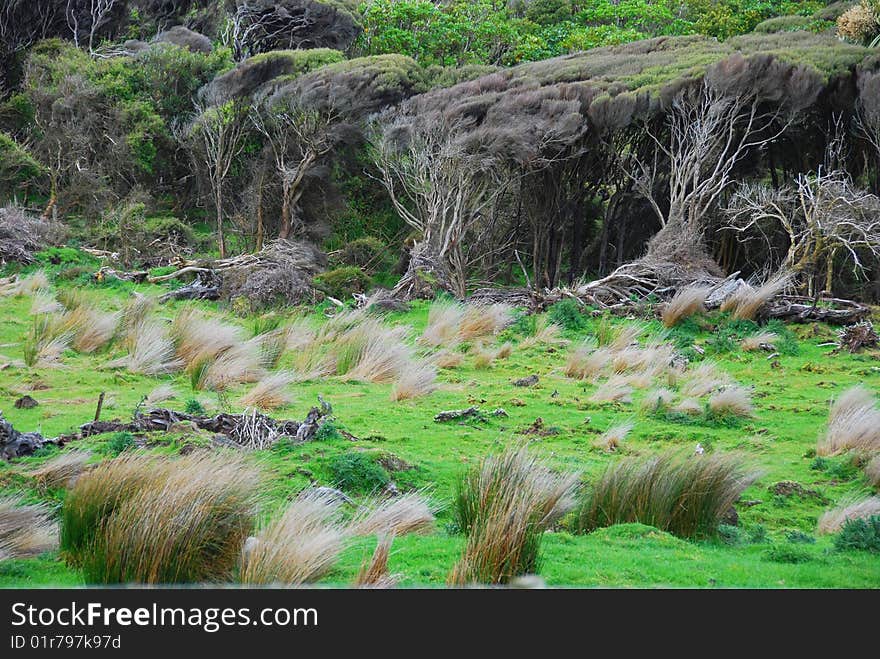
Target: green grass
point(791, 395)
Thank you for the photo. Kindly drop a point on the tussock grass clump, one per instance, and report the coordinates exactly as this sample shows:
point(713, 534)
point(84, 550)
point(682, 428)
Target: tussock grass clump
point(62, 470)
point(270, 392)
point(45, 343)
point(145, 520)
point(481, 320)
point(872, 471)
point(419, 379)
point(732, 401)
point(686, 495)
point(197, 336)
point(150, 351)
point(747, 302)
point(658, 400)
point(444, 319)
point(684, 304)
point(587, 363)
point(159, 395)
point(25, 530)
point(690, 407)
point(504, 351)
point(409, 513)
point(703, 380)
point(134, 314)
point(483, 357)
point(759, 341)
point(35, 282)
point(45, 303)
point(545, 332)
point(854, 424)
point(448, 359)
point(615, 390)
point(90, 328)
point(833, 520)
point(624, 336)
point(300, 546)
point(383, 357)
point(237, 365)
point(271, 346)
point(375, 573)
point(611, 439)
point(504, 506)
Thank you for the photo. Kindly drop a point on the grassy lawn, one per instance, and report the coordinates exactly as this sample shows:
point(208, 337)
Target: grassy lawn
point(774, 545)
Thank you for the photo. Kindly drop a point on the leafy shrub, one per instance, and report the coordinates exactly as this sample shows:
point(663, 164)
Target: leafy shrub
point(119, 442)
point(567, 314)
point(193, 406)
point(343, 282)
point(327, 430)
point(685, 495)
point(784, 24)
point(788, 554)
point(800, 538)
point(363, 253)
point(862, 534)
point(358, 473)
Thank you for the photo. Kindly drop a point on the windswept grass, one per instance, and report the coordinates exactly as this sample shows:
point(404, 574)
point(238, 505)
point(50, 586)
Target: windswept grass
point(25, 530)
point(854, 424)
point(419, 379)
point(732, 401)
point(141, 520)
point(270, 392)
point(833, 520)
point(747, 302)
point(150, 350)
point(62, 470)
point(375, 573)
point(444, 319)
point(504, 506)
point(409, 513)
point(685, 303)
point(299, 546)
point(759, 341)
point(686, 495)
point(612, 439)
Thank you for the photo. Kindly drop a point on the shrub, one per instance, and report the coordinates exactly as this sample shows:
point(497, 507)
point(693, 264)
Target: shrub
point(192, 406)
point(358, 473)
point(788, 554)
point(784, 24)
point(25, 530)
point(854, 424)
point(365, 253)
point(343, 282)
point(504, 505)
point(686, 495)
point(298, 547)
point(862, 534)
point(567, 314)
point(119, 442)
point(145, 520)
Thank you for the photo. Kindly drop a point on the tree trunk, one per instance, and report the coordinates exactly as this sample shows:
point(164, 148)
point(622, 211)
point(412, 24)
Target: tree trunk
point(260, 229)
point(426, 274)
point(221, 238)
point(284, 233)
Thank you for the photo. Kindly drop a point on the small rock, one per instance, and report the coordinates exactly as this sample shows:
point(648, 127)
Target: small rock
point(500, 412)
point(751, 502)
point(183, 427)
point(26, 403)
point(529, 381)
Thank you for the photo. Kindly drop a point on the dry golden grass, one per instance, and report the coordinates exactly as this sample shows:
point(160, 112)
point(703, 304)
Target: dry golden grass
point(504, 506)
point(747, 302)
point(25, 530)
point(480, 321)
point(444, 320)
point(150, 351)
point(686, 302)
point(732, 400)
point(148, 520)
point(384, 356)
point(159, 395)
point(45, 303)
point(298, 547)
point(587, 362)
point(483, 357)
point(30, 285)
point(270, 392)
point(758, 341)
point(198, 337)
point(240, 364)
point(658, 399)
point(854, 424)
point(300, 335)
point(872, 471)
point(90, 328)
point(61, 471)
point(375, 573)
point(419, 379)
point(546, 333)
point(504, 351)
point(448, 359)
point(833, 520)
point(689, 406)
point(703, 380)
point(626, 335)
point(409, 513)
point(615, 390)
point(611, 439)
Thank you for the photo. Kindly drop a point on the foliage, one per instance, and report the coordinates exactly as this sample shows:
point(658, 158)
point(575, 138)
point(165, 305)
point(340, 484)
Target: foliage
point(358, 473)
point(567, 314)
point(119, 442)
point(860, 533)
point(343, 282)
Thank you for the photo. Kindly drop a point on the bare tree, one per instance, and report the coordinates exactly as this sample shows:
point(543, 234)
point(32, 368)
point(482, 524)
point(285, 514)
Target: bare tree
point(710, 129)
point(823, 216)
point(87, 17)
point(217, 136)
point(440, 188)
point(297, 139)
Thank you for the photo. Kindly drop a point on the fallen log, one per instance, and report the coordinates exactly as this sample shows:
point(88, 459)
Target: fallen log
point(16, 444)
point(455, 415)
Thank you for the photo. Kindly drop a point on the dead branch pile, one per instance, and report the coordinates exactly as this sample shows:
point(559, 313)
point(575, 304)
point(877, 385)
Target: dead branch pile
point(15, 444)
point(22, 234)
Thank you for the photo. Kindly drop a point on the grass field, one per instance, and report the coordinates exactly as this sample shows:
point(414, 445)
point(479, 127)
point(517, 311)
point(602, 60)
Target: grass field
point(774, 544)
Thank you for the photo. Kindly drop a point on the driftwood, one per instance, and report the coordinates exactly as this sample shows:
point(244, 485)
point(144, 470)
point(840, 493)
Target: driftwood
point(206, 286)
point(15, 444)
point(455, 415)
